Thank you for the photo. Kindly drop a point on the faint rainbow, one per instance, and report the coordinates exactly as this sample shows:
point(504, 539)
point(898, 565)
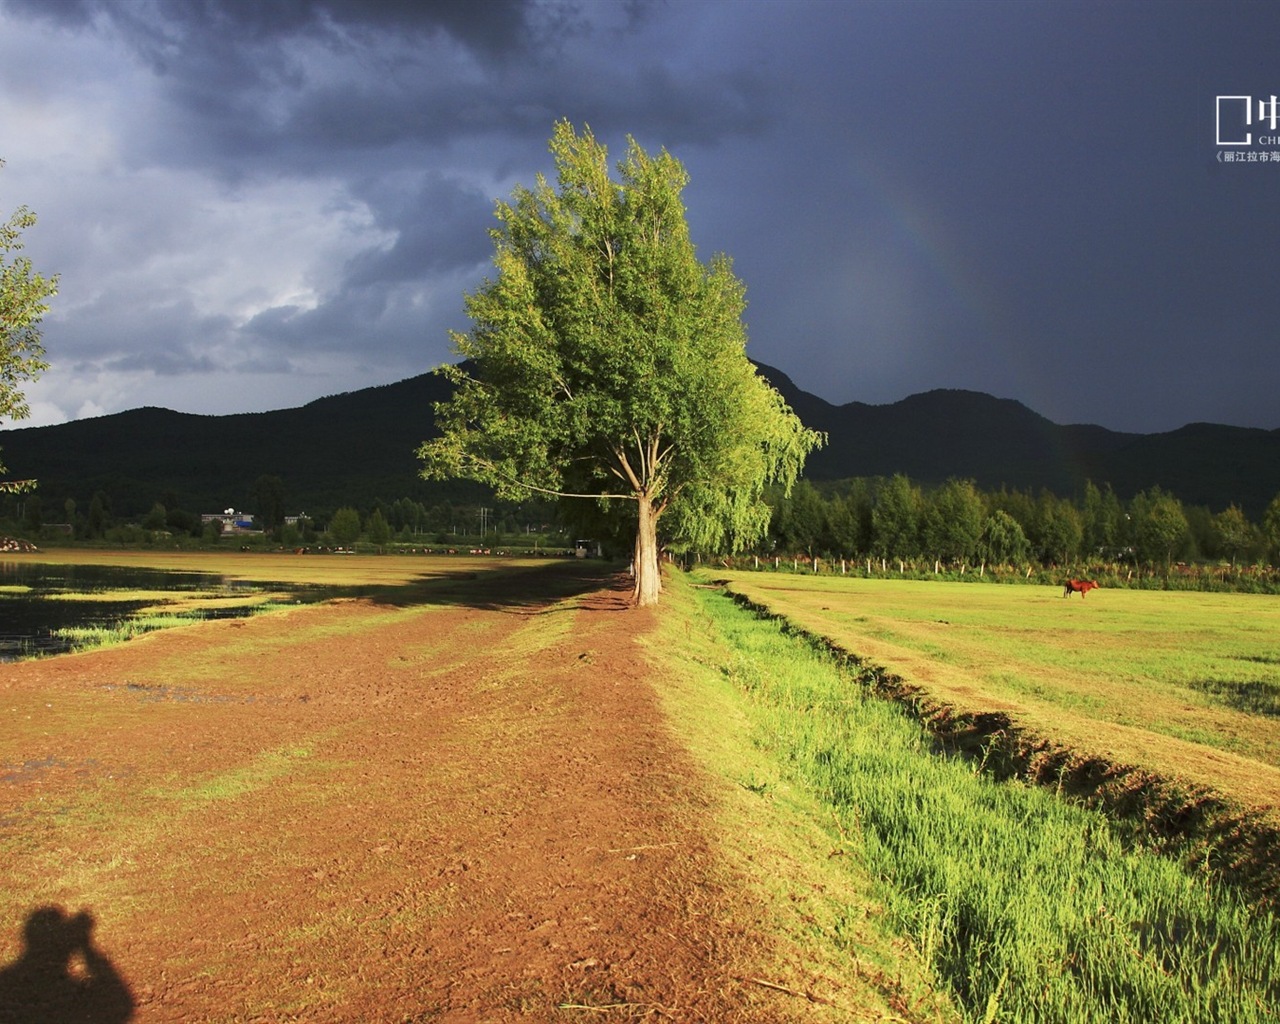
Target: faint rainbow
point(922, 232)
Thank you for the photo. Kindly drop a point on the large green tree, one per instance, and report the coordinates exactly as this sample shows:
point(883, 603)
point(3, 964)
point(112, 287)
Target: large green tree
point(895, 518)
point(22, 306)
point(1160, 525)
point(344, 527)
point(1003, 539)
point(1058, 529)
point(607, 362)
point(1232, 532)
point(951, 526)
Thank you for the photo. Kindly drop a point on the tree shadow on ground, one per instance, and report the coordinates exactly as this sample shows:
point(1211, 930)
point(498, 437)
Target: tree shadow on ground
point(518, 589)
point(61, 975)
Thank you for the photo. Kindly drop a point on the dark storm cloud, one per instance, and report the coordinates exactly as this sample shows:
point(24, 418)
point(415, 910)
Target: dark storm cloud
point(299, 82)
point(306, 84)
point(185, 26)
point(163, 362)
point(436, 231)
point(1021, 199)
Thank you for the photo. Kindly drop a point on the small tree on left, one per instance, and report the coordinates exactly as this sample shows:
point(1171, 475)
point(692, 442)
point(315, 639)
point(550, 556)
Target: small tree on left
point(22, 306)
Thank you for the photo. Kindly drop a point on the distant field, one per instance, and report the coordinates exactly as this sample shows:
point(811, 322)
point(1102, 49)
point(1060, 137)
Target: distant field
point(1186, 684)
point(318, 570)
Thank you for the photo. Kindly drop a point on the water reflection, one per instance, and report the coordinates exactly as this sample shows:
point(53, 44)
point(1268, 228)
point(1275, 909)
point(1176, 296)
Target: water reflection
point(38, 600)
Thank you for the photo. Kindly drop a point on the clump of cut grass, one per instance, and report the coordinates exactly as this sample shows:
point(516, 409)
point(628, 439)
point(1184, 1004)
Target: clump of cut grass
point(104, 635)
point(1028, 908)
point(84, 637)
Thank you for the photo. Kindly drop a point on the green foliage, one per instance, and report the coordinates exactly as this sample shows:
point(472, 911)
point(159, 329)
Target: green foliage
point(377, 529)
point(607, 362)
point(1003, 539)
point(1271, 527)
point(268, 499)
point(1028, 908)
point(1232, 531)
point(344, 527)
point(951, 527)
point(801, 520)
point(156, 519)
point(1159, 526)
point(1057, 530)
point(22, 306)
point(1102, 519)
point(896, 518)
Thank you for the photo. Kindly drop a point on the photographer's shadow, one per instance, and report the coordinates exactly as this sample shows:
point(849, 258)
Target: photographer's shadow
point(61, 976)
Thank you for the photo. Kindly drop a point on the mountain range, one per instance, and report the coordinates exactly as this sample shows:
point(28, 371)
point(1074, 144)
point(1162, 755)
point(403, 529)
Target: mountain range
point(353, 448)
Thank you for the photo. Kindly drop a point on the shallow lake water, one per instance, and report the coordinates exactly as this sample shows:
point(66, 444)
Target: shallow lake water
point(35, 602)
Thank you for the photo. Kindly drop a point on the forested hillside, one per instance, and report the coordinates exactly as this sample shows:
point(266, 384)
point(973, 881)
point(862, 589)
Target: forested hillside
point(357, 449)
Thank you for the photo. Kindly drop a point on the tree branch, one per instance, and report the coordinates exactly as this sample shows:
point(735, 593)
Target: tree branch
point(491, 468)
point(631, 477)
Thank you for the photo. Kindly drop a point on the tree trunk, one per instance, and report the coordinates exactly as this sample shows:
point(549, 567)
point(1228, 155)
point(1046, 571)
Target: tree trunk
point(648, 577)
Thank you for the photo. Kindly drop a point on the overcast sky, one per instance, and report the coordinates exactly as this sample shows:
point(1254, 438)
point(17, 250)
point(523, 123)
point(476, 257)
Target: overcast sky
point(253, 203)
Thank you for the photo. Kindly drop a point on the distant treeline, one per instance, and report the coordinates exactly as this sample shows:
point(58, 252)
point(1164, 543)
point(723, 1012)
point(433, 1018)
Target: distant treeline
point(405, 520)
point(954, 527)
point(957, 527)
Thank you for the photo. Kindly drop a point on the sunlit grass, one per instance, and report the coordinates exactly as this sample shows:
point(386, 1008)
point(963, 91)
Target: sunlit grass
point(287, 568)
point(834, 939)
point(1029, 909)
point(257, 583)
point(124, 630)
point(111, 596)
point(1129, 674)
point(84, 637)
point(241, 780)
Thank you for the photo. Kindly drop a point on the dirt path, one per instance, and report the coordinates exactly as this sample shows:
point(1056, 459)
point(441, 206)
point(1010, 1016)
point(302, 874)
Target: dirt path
point(461, 809)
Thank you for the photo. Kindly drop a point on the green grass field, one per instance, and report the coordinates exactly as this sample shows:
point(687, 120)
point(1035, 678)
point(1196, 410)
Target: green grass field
point(1185, 684)
point(1027, 907)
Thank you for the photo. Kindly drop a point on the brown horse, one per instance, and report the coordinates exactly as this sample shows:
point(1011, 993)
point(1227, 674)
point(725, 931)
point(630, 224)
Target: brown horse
point(1080, 587)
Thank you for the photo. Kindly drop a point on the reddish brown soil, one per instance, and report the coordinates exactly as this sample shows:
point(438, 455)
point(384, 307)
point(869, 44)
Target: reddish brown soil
point(456, 806)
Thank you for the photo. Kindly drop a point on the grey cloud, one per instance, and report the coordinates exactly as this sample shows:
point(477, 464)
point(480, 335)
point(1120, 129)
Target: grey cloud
point(442, 227)
point(494, 26)
point(165, 362)
point(330, 327)
point(70, 12)
point(297, 83)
